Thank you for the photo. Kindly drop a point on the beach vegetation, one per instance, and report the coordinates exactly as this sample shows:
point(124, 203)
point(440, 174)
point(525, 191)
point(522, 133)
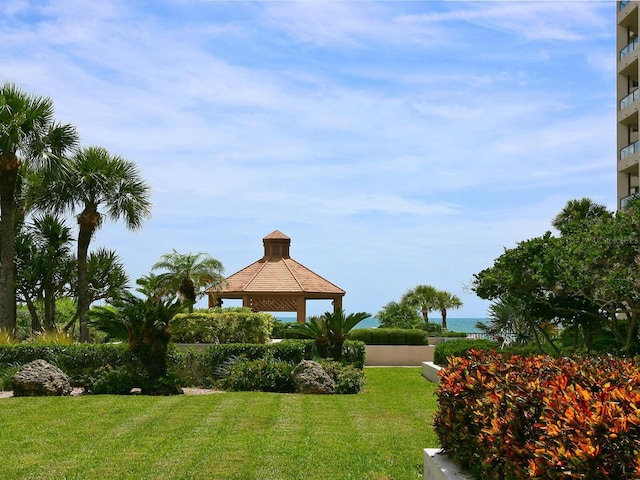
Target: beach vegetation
point(222, 325)
point(398, 315)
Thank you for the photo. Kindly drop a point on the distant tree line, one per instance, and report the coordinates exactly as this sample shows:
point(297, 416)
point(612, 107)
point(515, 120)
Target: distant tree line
point(412, 311)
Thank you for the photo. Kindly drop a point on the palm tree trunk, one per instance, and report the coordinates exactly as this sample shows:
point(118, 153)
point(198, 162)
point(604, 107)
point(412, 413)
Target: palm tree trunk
point(49, 310)
point(87, 221)
point(444, 318)
point(36, 326)
point(9, 166)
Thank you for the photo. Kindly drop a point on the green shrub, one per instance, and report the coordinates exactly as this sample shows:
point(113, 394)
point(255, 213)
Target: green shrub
point(222, 325)
point(433, 329)
point(75, 360)
point(112, 380)
point(263, 374)
point(459, 348)
point(453, 334)
point(347, 378)
point(6, 372)
point(390, 336)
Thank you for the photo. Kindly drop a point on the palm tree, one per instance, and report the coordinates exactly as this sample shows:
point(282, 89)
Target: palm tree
point(54, 260)
point(445, 301)
point(188, 274)
point(577, 211)
point(28, 135)
point(422, 298)
point(94, 179)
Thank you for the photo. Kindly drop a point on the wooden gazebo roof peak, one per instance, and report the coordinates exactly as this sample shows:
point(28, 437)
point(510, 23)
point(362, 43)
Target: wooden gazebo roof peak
point(276, 244)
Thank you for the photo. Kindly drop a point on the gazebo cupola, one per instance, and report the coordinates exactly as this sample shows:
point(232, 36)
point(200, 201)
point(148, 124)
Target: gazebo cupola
point(276, 244)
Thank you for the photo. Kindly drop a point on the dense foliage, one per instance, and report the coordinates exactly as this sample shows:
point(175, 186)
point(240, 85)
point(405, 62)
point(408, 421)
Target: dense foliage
point(390, 336)
point(541, 417)
point(584, 280)
point(459, 348)
point(222, 325)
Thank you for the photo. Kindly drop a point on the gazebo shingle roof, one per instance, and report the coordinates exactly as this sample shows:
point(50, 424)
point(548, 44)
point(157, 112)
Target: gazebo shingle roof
point(277, 272)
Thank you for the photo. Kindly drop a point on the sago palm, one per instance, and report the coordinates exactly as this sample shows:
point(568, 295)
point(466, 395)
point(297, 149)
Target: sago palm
point(146, 325)
point(329, 330)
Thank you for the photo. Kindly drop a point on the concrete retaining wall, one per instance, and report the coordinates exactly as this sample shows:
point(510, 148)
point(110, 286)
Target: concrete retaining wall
point(398, 355)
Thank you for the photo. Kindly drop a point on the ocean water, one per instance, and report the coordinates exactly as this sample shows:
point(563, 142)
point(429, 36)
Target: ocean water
point(467, 325)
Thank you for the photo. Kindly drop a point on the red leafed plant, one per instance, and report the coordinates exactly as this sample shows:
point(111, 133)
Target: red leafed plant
point(541, 417)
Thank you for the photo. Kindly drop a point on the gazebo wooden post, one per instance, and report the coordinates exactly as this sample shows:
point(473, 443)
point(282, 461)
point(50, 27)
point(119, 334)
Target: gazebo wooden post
point(337, 304)
point(301, 309)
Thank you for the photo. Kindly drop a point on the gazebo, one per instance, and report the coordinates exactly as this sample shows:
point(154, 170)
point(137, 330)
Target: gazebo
point(276, 283)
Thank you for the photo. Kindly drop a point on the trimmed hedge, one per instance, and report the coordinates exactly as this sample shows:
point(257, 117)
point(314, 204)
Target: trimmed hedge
point(390, 336)
point(541, 417)
point(222, 325)
point(75, 360)
point(93, 365)
point(288, 351)
point(459, 348)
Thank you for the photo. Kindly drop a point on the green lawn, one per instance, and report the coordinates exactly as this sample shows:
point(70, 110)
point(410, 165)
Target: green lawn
point(377, 434)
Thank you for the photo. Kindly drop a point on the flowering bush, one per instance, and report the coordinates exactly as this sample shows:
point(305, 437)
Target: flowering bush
point(541, 417)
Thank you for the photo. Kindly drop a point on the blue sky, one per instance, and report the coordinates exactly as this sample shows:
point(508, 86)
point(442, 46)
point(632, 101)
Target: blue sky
point(396, 143)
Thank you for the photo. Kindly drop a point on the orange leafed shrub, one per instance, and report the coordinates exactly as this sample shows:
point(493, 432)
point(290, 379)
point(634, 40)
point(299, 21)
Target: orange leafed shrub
point(541, 417)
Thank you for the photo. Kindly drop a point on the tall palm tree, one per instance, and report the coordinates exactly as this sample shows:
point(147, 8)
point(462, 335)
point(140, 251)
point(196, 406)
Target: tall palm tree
point(95, 180)
point(423, 298)
point(28, 135)
point(445, 301)
point(188, 274)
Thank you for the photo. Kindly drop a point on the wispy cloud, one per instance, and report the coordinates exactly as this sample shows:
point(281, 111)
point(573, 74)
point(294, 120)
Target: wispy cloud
point(417, 137)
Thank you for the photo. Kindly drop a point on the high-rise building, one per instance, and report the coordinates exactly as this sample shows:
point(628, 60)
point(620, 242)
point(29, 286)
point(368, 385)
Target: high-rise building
point(628, 98)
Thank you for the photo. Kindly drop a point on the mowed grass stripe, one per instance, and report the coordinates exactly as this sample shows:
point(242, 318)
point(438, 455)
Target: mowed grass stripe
point(378, 434)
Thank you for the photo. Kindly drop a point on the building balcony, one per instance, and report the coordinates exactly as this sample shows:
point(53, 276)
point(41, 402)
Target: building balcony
point(629, 99)
point(629, 150)
point(624, 3)
point(631, 46)
point(625, 201)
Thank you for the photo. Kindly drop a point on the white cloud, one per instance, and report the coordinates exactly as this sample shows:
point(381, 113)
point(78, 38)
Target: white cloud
point(395, 142)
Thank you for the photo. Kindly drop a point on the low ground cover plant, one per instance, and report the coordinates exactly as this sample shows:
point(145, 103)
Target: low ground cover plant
point(541, 417)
